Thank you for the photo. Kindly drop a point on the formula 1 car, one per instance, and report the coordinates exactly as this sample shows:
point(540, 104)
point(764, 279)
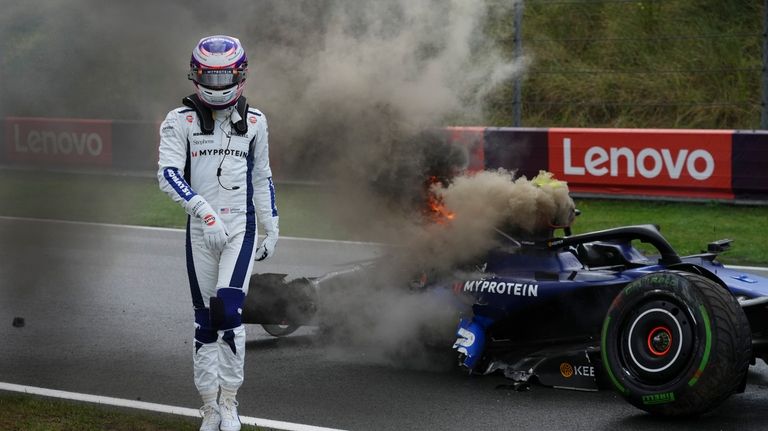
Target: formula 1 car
point(673, 335)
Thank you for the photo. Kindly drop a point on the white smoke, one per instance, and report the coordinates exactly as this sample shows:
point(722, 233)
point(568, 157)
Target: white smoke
point(381, 310)
point(347, 86)
point(408, 64)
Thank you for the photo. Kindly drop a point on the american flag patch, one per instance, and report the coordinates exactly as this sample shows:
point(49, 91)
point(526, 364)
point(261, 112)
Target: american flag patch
point(224, 211)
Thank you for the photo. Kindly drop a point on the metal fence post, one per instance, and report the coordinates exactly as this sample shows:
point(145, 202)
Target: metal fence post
point(764, 101)
point(517, 94)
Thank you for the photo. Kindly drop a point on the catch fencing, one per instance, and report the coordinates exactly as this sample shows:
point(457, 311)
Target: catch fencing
point(638, 62)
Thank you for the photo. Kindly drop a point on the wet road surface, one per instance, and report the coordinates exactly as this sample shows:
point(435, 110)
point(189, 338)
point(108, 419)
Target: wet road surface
point(107, 312)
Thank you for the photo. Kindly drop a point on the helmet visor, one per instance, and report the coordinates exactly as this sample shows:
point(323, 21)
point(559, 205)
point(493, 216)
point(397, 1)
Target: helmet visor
point(217, 78)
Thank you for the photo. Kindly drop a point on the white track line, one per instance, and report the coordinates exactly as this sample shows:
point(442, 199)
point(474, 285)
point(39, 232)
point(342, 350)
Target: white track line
point(167, 229)
point(289, 238)
point(83, 223)
point(141, 405)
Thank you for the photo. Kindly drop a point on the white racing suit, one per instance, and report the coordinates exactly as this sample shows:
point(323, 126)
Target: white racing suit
point(231, 172)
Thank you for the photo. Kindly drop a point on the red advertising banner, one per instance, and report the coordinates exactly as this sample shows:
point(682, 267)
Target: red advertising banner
point(58, 141)
point(686, 163)
point(472, 139)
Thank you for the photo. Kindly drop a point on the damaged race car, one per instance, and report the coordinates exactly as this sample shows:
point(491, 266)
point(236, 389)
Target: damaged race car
point(616, 308)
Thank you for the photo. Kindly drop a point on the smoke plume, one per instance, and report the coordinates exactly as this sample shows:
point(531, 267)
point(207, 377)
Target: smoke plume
point(488, 205)
point(355, 92)
point(349, 86)
point(390, 309)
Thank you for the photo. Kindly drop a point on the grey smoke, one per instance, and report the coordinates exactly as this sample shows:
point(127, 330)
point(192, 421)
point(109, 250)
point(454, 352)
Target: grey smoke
point(386, 309)
point(355, 92)
point(380, 316)
point(128, 60)
point(482, 204)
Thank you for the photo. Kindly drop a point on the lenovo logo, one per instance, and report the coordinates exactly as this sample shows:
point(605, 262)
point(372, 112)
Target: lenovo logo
point(661, 162)
point(49, 142)
point(648, 163)
point(57, 141)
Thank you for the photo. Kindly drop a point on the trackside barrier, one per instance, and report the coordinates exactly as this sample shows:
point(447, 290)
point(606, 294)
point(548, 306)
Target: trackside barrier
point(520, 149)
point(661, 163)
point(750, 165)
point(721, 165)
point(677, 163)
point(472, 138)
point(57, 141)
point(135, 145)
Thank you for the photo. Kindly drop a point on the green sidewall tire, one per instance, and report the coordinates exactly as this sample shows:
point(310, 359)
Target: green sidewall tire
point(698, 349)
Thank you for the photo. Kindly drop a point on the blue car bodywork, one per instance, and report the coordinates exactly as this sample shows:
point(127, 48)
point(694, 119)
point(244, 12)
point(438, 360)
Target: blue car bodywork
point(674, 335)
point(539, 306)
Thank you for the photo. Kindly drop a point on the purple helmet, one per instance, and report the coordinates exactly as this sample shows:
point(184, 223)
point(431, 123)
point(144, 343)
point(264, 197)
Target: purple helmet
point(218, 68)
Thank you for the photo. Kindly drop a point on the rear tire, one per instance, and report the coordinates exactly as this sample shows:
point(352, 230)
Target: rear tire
point(277, 330)
point(676, 344)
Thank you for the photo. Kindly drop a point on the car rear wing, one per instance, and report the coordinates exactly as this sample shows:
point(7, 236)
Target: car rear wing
point(719, 246)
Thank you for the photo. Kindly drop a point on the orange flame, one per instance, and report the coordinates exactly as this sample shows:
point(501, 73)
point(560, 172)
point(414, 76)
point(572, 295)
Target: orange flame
point(436, 210)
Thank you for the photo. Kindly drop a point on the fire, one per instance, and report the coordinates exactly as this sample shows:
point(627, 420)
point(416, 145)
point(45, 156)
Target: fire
point(436, 210)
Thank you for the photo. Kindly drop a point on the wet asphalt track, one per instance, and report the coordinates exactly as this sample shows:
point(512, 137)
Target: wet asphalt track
point(107, 312)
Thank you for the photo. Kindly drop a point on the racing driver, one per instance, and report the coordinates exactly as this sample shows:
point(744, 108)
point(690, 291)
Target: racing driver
point(214, 161)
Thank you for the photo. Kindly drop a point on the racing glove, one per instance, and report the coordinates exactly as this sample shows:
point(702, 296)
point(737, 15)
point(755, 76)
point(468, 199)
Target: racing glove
point(266, 212)
point(215, 233)
point(267, 247)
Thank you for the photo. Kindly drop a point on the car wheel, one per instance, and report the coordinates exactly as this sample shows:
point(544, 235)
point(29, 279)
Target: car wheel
point(277, 330)
point(675, 344)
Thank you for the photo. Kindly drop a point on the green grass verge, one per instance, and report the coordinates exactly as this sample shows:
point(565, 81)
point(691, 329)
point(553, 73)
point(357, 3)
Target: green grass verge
point(138, 201)
point(31, 413)
point(678, 64)
point(307, 211)
point(687, 226)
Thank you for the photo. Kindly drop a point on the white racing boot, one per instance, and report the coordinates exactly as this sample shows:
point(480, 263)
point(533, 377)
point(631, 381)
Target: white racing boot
point(230, 420)
point(211, 418)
